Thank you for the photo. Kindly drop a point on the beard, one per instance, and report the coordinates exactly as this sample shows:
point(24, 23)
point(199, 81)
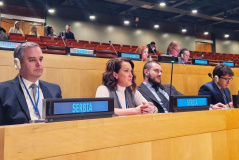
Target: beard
point(153, 82)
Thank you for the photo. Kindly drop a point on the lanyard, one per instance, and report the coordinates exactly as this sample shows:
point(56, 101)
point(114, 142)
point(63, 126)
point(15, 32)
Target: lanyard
point(35, 106)
point(125, 99)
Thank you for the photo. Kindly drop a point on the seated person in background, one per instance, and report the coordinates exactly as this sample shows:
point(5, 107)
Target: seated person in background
point(34, 31)
point(217, 89)
point(173, 48)
point(119, 82)
point(144, 51)
point(3, 34)
point(185, 55)
point(21, 98)
point(152, 47)
point(16, 28)
point(50, 32)
point(67, 34)
point(151, 88)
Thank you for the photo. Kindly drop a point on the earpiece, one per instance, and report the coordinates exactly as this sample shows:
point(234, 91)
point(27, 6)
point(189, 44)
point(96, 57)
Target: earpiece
point(216, 79)
point(17, 64)
point(181, 55)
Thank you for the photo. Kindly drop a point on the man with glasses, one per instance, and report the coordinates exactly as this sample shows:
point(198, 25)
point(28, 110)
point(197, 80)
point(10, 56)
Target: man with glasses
point(173, 48)
point(217, 89)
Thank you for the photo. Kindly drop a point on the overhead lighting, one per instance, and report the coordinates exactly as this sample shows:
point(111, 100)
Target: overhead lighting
point(1, 3)
point(206, 33)
point(156, 26)
point(184, 30)
point(126, 22)
point(162, 4)
point(194, 11)
point(51, 10)
point(92, 17)
point(226, 35)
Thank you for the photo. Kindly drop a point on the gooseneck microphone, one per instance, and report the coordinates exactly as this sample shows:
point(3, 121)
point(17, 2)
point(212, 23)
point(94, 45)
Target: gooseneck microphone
point(210, 75)
point(63, 40)
point(113, 47)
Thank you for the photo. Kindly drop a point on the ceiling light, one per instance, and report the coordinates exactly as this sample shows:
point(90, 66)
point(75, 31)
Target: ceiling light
point(156, 26)
point(51, 10)
point(1, 3)
point(162, 4)
point(126, 22)
point(92, 17)
point(194, 11)
point(226, 35)
point(206, 33)
point(184, 30)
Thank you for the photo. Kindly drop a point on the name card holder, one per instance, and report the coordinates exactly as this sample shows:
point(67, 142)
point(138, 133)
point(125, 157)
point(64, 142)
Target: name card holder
point(57, 109)
point(189, 103)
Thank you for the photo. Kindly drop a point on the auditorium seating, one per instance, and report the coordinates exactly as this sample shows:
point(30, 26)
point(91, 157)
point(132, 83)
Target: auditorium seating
point(44, 41)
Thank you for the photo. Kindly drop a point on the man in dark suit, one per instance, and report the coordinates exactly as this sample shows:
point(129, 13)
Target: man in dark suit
point(217, 89)
point(21, 98)
point(152, 48)
point(151, 88)
point(67, 34)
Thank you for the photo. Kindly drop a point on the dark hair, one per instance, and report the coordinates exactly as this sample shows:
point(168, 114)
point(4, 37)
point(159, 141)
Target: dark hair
point(114, 65)
point(183, 51)
point(20, 50)
point(222, 70)
point(152, 43)
point(148, 66)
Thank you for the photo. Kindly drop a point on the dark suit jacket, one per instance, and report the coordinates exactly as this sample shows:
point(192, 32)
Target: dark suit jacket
point(148, 95)
point(212, 89)
point(13, 105)
point(151, 50)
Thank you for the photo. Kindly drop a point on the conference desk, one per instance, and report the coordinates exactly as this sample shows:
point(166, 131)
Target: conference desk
point(201, 135)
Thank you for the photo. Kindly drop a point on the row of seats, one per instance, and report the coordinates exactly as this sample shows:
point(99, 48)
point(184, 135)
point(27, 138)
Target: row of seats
point(57, 46)
point(215, 56)
point(43, 41)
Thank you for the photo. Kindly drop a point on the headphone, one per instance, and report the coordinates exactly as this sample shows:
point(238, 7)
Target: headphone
point(216, 79)
point(17, 63)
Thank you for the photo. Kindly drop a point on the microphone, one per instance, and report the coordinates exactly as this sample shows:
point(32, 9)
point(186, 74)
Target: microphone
point(63, 40)
point(113, 47)
point(210, 75)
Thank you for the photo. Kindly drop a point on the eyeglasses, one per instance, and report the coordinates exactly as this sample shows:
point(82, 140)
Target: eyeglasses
point(177, 50)
point(227, 79)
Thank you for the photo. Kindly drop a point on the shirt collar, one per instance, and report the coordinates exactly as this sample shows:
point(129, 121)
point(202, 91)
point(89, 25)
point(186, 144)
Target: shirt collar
point(28, 83)
point(218, 86)
point(147, 84)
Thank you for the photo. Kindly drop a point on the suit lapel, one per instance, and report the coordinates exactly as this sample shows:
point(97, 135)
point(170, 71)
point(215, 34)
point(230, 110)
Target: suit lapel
point(148, 93)
point(45, 91)
point(219, 96)
point(20, 96)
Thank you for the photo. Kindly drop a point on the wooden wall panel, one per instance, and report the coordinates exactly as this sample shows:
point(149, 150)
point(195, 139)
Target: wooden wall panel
point(207, 135)
point(203, 47)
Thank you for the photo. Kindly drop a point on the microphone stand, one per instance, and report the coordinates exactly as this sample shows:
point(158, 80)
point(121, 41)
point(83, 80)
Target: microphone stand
point(113, 48)
point(172, 62)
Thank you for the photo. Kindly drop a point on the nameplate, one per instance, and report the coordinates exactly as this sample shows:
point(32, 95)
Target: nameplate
point(77, 108)
point(230, 64)
point(133, 56)
point(200, 62)
point(167, 59)
point(80, 52)
point(9, 45)
point(189, 103)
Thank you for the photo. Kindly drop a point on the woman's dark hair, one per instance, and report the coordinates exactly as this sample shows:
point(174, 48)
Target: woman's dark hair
point(114, 65)
point(222, 70)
